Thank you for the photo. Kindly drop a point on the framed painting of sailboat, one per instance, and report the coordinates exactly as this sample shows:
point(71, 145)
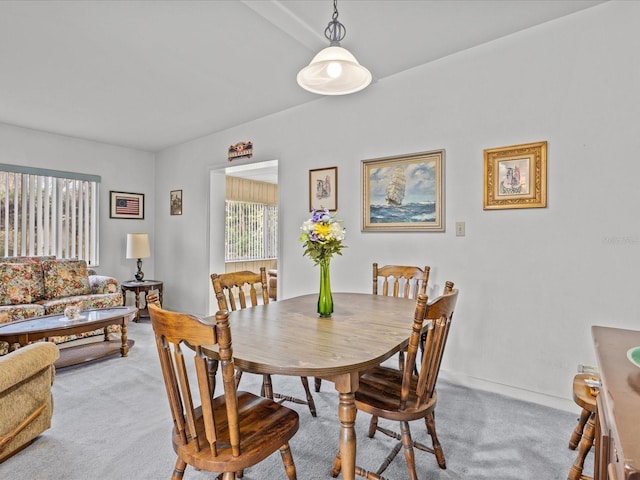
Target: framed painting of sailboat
point(404, 193)
point(323, 189)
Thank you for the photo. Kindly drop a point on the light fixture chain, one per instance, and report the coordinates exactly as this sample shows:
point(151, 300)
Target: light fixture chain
point(335, 31)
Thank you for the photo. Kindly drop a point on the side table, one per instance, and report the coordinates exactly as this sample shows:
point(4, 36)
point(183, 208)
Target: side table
point(141, 287)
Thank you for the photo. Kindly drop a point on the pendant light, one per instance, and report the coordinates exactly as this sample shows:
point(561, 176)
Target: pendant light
point(334, 70)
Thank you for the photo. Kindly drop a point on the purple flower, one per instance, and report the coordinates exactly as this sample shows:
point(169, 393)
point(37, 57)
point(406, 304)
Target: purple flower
point(318, 215)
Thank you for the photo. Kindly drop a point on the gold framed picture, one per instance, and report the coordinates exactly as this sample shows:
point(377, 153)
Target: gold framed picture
point(323, 189)
point(515, 176)
point(404, 193)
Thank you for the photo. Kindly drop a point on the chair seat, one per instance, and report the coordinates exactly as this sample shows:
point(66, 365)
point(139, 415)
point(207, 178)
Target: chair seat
point(264, 426)
point(379, 395)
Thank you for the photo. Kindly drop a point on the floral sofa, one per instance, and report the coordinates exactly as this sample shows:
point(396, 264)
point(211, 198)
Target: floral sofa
point(35, 286)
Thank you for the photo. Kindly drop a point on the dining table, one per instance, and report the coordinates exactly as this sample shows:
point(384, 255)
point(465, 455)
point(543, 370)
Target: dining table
point(288, 337)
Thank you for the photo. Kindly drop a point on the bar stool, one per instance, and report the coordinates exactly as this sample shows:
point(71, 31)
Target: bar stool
point(583, 434)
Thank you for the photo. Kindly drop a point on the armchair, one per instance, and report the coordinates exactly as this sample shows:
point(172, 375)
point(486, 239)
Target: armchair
point(26, 402)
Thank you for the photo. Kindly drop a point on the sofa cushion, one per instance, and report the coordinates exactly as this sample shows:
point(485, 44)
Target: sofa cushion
point(85, 302)
point(37, 284)
point(65, 278)
point(15, 283)
point(11, 313)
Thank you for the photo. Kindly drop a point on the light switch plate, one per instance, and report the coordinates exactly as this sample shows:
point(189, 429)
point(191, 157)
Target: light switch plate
point(460, 229)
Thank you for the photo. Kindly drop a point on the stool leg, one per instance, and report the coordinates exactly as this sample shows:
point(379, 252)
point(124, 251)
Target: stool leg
point(577, 432)
point(585, 445)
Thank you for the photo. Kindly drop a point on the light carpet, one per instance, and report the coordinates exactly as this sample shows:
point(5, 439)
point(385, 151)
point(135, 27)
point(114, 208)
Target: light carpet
point(111, 421)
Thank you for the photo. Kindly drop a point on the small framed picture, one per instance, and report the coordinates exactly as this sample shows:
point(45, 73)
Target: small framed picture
point(126, 205)
point(175, 207)
point(404, 193)
point(323, 189)
point(515, 176)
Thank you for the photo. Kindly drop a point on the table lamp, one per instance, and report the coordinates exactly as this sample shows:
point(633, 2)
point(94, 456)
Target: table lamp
point(138, 247)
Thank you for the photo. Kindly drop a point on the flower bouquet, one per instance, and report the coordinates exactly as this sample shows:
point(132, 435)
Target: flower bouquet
point(322, 237)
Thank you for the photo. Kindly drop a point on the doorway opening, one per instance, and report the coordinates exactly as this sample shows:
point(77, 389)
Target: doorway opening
point(243, 223)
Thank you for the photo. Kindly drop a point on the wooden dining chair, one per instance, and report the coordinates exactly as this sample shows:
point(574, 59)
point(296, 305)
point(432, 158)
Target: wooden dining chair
point(238, 290)
point(226, 433)
point(403, 396)
point(404, 281)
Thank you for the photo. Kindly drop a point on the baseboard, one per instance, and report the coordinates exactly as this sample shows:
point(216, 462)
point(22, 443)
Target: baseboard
point(565, 404)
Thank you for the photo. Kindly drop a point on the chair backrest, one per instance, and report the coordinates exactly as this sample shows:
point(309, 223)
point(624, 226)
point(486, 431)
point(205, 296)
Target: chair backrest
point(173, 331)
point(400, 280)
point(231, 289)
point(439, 314)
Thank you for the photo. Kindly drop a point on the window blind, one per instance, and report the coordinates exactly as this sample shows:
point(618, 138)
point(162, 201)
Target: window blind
point(251, 231)
point(48, 212)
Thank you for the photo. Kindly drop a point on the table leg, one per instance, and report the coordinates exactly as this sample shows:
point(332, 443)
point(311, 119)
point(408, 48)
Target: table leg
point(137, 296)
point(124, 349)
point(346, 385)
point(347, 415)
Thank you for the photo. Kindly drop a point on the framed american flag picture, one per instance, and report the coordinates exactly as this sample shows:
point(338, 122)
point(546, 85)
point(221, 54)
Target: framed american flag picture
point(127, 205)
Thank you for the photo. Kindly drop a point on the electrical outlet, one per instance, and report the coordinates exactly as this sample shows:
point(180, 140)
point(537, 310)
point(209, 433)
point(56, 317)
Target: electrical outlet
point(459, 229)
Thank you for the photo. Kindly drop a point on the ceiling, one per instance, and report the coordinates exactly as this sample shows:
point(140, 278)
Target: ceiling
point(151, 74)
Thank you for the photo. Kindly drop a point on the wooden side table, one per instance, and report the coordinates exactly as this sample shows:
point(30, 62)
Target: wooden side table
point(141, 287)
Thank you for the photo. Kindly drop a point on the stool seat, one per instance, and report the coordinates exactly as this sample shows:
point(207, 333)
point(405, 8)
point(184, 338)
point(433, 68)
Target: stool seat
point(583, 434)
point(582, 392)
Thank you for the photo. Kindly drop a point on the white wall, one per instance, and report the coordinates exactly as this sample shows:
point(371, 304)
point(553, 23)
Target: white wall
point(121, 169)
point(533, 281)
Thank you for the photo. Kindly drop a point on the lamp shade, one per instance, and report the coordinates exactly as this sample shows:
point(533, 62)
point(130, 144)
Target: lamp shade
point(334, 71)
point(138, 245)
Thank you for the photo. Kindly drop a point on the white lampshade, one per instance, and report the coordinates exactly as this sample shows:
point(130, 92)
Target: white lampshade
point(334, 71)
point(138, 245)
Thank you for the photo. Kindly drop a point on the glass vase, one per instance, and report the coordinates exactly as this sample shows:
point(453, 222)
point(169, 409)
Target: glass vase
point(325, 300)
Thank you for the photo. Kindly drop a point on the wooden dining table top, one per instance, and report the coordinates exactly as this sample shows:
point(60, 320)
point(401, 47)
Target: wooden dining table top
point(287, 337)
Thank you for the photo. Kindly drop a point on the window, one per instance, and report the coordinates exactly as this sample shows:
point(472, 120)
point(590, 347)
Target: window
point(47, 212)
point(251, 231)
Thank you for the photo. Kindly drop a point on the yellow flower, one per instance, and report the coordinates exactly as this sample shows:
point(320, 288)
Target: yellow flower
point(322, 229)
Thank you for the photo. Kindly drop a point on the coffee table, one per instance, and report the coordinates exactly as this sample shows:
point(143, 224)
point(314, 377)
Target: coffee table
point(22, 332)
